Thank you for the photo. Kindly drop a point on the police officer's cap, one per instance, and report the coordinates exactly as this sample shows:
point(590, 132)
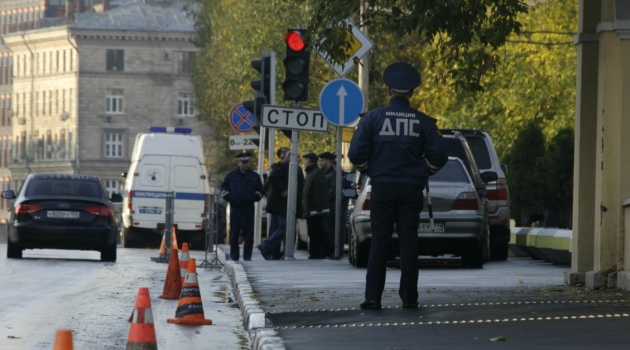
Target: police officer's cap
point(310, 155)
point(327, 155)
point(243, 157)
point(401, 77)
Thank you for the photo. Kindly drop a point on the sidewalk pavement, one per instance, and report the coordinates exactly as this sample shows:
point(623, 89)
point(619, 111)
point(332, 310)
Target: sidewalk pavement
point(313, 304)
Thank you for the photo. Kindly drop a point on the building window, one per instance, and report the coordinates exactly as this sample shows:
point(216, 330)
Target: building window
point(185, 102)
point(186, 59)
point(115, 60)
point(112, 186)
point(113, 145)
point(114, 101)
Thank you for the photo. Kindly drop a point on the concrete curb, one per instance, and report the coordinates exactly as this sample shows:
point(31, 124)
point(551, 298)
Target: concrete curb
point(549, 244)
point(253, 316)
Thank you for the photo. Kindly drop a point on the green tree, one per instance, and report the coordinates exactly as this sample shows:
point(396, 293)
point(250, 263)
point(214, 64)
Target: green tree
point(526, 184)
point(556, 168)
point(535, 83)
point(466, 34)
point(231, 33)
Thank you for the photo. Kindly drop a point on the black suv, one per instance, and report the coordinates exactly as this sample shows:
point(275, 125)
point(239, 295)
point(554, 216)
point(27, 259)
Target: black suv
point(498, 197)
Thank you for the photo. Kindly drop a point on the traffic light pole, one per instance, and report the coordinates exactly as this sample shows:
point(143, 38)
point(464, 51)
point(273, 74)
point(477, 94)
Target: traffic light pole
point(269, 70)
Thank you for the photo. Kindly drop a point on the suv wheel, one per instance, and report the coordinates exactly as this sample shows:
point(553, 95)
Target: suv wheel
point(359, 252)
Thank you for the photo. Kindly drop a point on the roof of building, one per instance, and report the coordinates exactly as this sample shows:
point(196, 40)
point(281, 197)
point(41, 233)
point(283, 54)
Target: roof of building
point(164, 16)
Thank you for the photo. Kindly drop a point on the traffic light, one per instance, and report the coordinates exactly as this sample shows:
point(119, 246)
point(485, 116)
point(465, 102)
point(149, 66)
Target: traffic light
point(262, 90)
point(296, 63)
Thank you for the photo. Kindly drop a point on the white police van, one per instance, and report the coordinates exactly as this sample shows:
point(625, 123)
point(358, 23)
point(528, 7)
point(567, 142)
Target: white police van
point(166, 160)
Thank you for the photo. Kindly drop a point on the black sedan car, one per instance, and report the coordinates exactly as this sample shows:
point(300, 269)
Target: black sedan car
point(62, 211)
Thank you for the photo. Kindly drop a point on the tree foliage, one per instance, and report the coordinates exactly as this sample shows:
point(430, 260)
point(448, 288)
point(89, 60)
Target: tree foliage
point(500, 65)
point(466, 34)
point(556, 168)
point(526, 184)
point(231, 33)
point(535, 83)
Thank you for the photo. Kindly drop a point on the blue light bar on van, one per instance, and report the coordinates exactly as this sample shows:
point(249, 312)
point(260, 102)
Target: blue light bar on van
point(170, 129)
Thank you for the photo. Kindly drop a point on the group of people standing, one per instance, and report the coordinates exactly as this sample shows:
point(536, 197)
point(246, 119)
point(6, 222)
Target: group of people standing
point(316, 193)
point(398, 160)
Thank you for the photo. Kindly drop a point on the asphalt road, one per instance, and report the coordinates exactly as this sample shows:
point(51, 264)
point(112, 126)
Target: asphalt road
point(517, 304)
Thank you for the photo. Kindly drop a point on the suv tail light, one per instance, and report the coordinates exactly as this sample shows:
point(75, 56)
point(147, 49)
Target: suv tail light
point(27, 209)
point(498, 191)
point(465, 201)
point(98, 210)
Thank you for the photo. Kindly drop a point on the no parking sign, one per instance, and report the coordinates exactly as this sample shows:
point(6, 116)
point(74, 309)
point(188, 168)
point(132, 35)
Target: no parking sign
point(241, 119)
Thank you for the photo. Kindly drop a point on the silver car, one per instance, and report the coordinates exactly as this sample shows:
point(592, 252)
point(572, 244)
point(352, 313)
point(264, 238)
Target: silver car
point(460, 220)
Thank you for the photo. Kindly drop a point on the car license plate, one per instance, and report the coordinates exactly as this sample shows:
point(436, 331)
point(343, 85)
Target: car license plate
point(57, 214)
point(426, 227)
point(150, 211)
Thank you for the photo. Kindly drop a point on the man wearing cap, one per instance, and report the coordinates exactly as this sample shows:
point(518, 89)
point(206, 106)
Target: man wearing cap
point(242, 188)
point(399, 148)
point(277, 200)
point(315, 207)
point(326, 160)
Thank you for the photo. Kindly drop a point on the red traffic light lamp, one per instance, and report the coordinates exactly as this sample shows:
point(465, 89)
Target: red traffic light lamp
point(294, 40)
point(296, 65)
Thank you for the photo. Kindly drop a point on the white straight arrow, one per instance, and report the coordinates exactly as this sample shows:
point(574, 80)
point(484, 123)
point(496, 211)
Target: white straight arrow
point(342, 94)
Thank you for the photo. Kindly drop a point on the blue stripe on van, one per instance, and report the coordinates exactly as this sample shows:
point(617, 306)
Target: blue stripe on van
point(161, 195)
point(190, 196)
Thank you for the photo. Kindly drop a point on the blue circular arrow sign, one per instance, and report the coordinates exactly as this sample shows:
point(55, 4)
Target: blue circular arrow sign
point(241, 119)
point(341, 101)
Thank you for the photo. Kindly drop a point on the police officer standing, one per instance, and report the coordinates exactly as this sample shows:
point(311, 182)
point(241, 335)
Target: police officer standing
point(241, 188)
point(399, 148)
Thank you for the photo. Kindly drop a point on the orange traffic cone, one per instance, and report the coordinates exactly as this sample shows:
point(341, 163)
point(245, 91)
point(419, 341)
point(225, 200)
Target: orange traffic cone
point(63, 340)
point(173, 282)
point(145, 294)
point(183, 261)
point(173, 238)
point(142, 331)
point(190, 309)
point(162, 251)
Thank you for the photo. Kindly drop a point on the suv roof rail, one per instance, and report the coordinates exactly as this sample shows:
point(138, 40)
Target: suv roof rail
point(479, 131)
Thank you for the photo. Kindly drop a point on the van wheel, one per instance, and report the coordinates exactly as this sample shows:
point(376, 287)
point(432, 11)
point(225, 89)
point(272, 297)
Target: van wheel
point(131, 237)
point(14, 251)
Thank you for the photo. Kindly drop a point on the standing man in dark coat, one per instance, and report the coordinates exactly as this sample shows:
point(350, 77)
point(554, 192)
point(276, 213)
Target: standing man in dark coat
point(315, 207)
point(399, 147)
point(326, 161)
point(277, 195)
point(242, 188)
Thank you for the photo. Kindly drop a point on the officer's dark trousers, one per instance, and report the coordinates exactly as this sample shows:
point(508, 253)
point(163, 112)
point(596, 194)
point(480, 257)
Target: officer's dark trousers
point(241, 218)
point(399, 204)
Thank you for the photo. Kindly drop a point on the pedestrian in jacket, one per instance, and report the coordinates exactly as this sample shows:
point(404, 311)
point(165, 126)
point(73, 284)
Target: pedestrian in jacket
point(399, 147)
point(242, 188)
point(315, 207)
point(277, 196)
point(326, 161)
